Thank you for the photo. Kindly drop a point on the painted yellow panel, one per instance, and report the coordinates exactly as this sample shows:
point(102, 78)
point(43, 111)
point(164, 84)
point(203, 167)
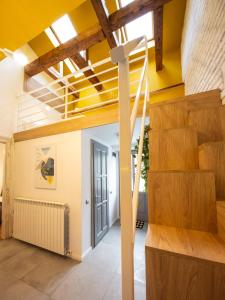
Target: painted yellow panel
point(20, 21)
point(168, 94)
point(173, 20)
point(41, 44)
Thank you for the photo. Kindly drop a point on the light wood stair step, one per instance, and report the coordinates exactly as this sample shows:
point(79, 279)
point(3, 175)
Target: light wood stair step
point(183, 199)
point(173, 149)
point(212, 157)
point(220, 205)
point(184, 264)
point(174, 113)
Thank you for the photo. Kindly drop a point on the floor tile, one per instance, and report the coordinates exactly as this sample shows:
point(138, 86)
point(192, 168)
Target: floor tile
point(86, 281)
point(30, 273)
point(49, 273)
point(22, 291)
point(10, 247)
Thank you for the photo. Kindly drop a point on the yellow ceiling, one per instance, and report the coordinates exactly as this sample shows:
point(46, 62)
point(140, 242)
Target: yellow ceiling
point(21, 21)
point(30, 18)
point(84, 17)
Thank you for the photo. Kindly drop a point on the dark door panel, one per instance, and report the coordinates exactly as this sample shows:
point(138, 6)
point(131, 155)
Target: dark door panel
point(100, 191)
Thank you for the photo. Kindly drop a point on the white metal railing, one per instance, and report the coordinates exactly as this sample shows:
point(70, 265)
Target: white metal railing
point(52, 102)
point(127, 118)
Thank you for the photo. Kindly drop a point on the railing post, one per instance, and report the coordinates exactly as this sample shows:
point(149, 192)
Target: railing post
point(126, 217)
point(66, 102)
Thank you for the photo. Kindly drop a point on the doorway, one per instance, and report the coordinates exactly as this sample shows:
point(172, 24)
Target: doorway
point(100, 193)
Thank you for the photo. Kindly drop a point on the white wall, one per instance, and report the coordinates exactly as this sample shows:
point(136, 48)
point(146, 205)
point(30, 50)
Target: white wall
point(2, 163)
point(68, 170)
point(87, 136)
point(203, 46)
point(11, 86)
point(11, 80)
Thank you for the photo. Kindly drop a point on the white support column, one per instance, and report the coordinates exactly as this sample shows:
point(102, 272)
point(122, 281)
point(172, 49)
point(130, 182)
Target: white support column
point(127, 246)
point(66, 102)
point(120, 55)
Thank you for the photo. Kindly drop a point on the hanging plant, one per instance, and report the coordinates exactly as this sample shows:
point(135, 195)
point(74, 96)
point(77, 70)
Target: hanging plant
point(145, 155)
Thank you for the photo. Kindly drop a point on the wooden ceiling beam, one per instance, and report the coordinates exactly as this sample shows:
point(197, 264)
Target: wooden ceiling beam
point(158, 36)
point(133, 11)
point(81, 42)
point(96, 34)
point(102, 15)
point(82, 63)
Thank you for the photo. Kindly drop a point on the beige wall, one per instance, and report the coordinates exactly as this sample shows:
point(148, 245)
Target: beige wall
point(68, 190)
point(203, 46)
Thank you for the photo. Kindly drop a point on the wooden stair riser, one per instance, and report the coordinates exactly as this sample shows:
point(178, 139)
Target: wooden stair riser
point(174, 276)
point(220, 205)
point(212, 157)
point(174, 149)
point(209, 123)
point(183, 199)
point(174, 114)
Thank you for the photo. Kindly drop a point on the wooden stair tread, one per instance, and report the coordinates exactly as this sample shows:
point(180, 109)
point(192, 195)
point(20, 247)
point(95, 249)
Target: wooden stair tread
point(191, 243)
point(193, 97)
point(181, 171)
point(214, 143)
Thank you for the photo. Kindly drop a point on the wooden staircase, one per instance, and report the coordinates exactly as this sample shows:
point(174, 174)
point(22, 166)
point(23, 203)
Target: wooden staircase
point(185, 244)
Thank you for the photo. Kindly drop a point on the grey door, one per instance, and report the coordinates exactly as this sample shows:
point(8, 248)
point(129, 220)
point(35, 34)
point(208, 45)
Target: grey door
point(100, 201)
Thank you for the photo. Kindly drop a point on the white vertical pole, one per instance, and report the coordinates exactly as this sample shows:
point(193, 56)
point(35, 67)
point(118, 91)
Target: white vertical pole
point(66, 102)
point(127, 246)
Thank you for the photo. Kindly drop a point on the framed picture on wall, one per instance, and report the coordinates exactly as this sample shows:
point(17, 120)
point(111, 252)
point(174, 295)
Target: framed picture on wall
point(45, 167)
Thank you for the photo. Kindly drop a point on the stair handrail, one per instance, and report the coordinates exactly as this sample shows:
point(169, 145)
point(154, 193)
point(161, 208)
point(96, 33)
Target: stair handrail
point(127, 118)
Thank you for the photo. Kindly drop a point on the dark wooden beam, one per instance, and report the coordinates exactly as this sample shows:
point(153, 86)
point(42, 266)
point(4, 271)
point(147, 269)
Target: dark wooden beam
point(82, 63)
point(132, 11)
point(102, 15)
point(81, 42)
point(158, 36)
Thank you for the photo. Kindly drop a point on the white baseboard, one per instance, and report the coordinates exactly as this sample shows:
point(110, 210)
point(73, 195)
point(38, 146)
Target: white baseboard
point(114, 221)
point(86, 252)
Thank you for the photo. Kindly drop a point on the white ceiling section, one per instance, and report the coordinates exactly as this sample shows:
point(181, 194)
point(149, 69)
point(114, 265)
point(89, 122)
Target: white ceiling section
point(203, 46)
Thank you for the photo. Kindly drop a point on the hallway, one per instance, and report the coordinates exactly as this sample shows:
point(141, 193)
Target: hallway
point(27, 272)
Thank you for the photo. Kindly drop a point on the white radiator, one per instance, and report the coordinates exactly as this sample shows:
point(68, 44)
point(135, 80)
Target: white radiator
point(41, 223)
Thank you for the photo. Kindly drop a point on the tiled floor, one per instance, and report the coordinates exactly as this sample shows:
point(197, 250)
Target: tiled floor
point(29, 273)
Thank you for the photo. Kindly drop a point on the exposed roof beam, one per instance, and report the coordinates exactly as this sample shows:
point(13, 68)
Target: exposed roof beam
point(158, 36)
point(82, 63)
point(132, 11)
point(94, 35)
point(81, 42)
point(102, 15)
